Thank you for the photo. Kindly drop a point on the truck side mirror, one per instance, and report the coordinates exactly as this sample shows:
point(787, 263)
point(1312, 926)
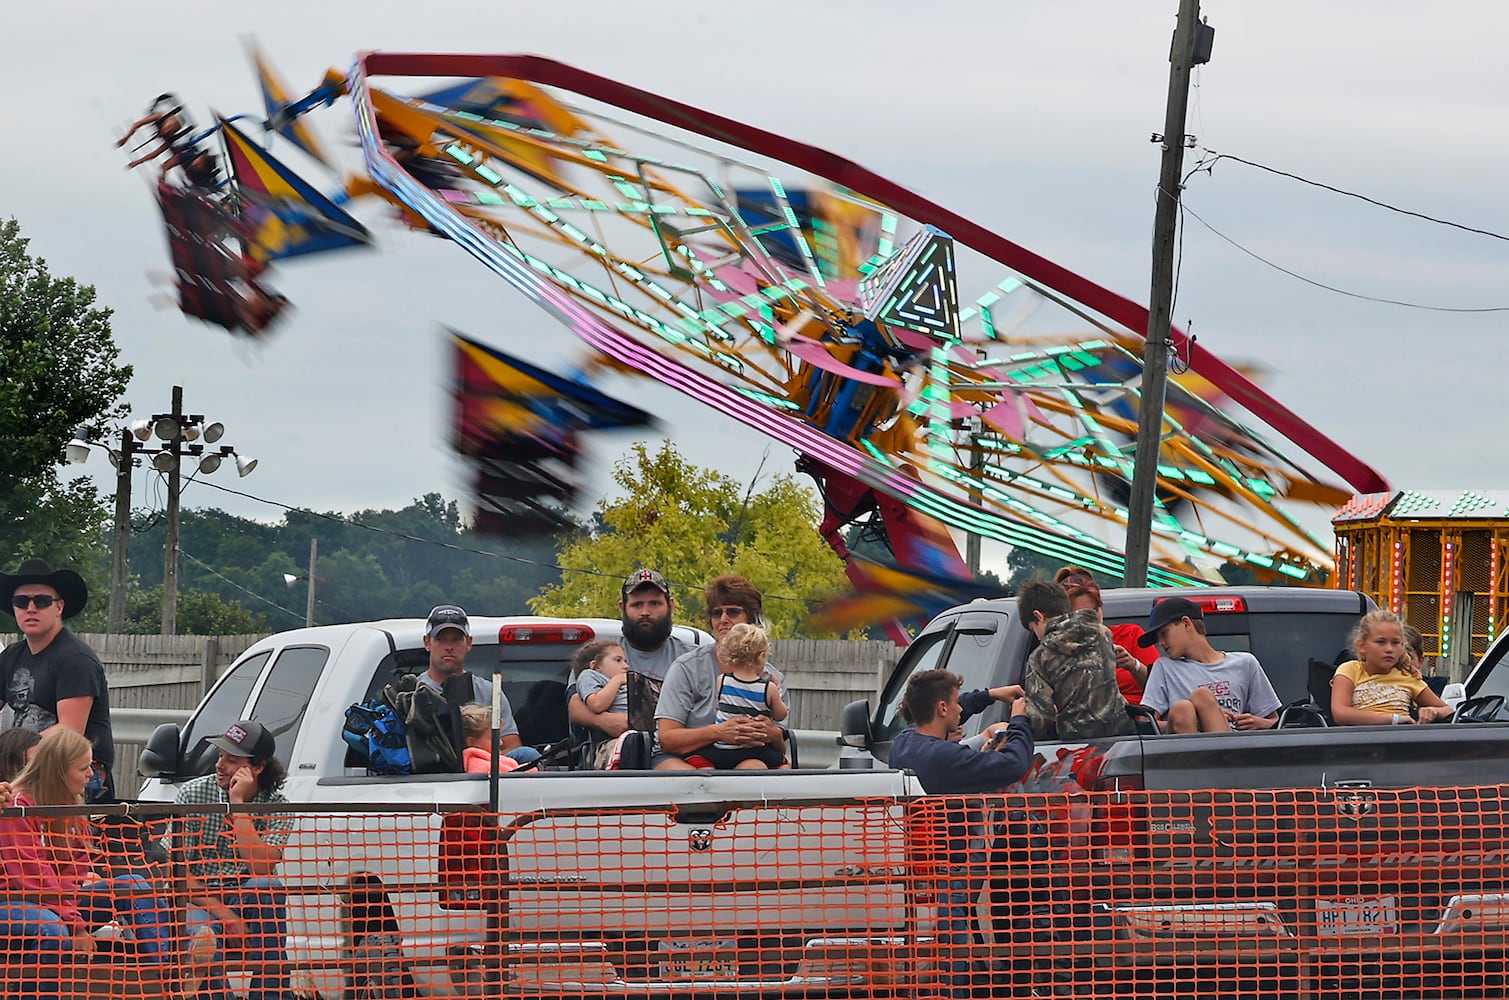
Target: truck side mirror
point(1454, 695)
point(854, 724)
point(159, 758)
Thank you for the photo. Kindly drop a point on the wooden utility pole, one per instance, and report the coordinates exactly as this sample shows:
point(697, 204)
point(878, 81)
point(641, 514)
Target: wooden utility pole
point(1191, 46)
point(314, 549)
point(121, 540)
point(170, 538)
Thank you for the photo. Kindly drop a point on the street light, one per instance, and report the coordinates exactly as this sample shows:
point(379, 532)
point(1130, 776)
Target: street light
point(292, 578)
point(179, 431)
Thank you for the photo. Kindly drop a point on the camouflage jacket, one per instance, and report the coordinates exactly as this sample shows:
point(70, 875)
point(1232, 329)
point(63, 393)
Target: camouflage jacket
point(1070, 682)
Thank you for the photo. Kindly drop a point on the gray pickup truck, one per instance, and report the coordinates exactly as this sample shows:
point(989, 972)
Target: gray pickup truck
point(1295, 634)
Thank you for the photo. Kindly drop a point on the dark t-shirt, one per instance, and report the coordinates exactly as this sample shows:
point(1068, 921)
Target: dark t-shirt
point(32, 685)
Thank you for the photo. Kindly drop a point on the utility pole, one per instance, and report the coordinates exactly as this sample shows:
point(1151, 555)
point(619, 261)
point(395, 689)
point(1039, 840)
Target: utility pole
point(170, 539)
point(1191, 47)
point(976, 471)
point(314, 548)
point(122, 532)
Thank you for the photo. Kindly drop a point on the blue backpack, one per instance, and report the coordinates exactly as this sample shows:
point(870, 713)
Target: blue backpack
point(376, 736)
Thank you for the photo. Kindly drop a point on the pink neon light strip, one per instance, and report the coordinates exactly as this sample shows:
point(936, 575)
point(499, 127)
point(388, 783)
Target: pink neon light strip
point(1131, 315)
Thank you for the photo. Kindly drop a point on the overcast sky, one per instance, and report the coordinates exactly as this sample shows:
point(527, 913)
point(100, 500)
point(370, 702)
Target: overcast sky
point(1032, 118)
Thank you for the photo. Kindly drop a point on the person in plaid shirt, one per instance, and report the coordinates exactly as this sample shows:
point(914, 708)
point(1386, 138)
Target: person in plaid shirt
point(238, 903)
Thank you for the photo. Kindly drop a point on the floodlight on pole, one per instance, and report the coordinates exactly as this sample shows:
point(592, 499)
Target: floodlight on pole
point(179, 431)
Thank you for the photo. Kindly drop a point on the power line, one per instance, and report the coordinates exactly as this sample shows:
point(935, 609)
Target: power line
point(216, 573)
point(1184, 206)
point(1205, 166)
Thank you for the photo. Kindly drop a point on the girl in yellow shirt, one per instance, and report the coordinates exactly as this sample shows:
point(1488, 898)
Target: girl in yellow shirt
point(1381, 686)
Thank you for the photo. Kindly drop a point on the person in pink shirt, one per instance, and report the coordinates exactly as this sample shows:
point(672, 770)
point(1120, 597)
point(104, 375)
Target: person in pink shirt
point(476, 729)
point(51, 898)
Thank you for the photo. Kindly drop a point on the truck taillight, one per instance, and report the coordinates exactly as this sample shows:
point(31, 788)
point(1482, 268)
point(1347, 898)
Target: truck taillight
point(545, 633)
point(1120, 822)
point(1120, 783)
point(470, 855)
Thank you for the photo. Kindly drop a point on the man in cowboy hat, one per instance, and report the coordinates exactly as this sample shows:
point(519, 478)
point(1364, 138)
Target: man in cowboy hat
point(50, 677)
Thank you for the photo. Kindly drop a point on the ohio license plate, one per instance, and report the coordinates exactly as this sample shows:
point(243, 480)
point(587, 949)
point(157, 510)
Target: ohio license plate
point(699, 959)
point(1354, 916)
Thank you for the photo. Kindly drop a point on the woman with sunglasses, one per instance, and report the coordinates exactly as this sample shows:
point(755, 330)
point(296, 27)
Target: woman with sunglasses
point(51, 676)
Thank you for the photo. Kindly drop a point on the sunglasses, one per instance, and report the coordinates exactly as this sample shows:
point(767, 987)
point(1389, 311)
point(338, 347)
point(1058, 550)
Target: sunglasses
point(39, 601)
point(728, 611)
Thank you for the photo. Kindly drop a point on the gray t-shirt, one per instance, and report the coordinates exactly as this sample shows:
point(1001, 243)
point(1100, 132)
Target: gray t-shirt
point(1238, 683)
point(482, 692)
point(657, 662)
point(690, 694)
point(590, 681)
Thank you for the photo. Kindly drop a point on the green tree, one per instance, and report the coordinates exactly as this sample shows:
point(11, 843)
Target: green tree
point(1026, 564)
point(199, 613)
point(694, 524)
point(60, 372)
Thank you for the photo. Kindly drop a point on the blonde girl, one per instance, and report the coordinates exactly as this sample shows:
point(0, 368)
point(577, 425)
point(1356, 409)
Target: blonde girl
point(1381, 686)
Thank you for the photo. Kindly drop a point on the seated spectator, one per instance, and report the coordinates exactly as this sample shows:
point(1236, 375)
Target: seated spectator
point(745, 691)
point(17, 747)
point(1197, 688)
point(477, 730)
point(51, 859)
point(447, 639)
point(1132, 661)
point(238, 906)
point(686, 717)
point(1383, 684)
point(1070, 678)
point(601, 670)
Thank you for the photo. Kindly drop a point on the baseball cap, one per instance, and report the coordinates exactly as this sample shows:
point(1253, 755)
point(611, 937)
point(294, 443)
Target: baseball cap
point(640, 577)
point(1170, 609)
point(246, 739)
point(444, 616)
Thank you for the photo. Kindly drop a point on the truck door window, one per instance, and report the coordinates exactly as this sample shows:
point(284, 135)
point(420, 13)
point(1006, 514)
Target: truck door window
point(226, 704)
point(287, 693)
point(924, 654)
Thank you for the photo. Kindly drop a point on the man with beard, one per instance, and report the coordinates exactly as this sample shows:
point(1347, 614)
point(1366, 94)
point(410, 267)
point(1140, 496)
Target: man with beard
point(646, 608)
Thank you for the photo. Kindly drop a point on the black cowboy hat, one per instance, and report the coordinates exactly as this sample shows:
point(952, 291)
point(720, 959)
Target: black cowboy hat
point(68, 584)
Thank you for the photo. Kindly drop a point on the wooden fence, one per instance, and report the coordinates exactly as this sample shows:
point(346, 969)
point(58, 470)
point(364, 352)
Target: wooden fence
point(175, 671)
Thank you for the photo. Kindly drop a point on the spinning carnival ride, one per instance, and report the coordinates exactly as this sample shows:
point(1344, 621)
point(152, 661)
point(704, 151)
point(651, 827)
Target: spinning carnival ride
point(917, 362)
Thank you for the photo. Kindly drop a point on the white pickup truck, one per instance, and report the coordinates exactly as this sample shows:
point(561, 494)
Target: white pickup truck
point(622, 881)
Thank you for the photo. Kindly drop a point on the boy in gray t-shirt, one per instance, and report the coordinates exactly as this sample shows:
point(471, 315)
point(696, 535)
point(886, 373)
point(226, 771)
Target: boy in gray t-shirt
point(1197, 687)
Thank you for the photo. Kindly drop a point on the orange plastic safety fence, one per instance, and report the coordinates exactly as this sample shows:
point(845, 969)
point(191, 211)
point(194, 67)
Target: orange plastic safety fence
point(1313, 893)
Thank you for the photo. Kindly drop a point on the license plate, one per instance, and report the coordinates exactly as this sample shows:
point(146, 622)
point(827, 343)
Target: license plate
point(1356, 916)
point(699, 959)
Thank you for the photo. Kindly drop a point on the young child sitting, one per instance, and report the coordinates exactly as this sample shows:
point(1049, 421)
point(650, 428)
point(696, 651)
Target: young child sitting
point(1383, 683)
point(477, 730)
point(745, 689)
point(602, 673)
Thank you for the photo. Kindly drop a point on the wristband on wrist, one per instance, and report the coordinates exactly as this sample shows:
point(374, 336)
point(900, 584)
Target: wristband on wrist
point(1396, 719)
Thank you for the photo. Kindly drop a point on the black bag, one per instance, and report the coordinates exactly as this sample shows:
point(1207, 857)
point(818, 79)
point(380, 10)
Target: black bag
point(432, 726)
